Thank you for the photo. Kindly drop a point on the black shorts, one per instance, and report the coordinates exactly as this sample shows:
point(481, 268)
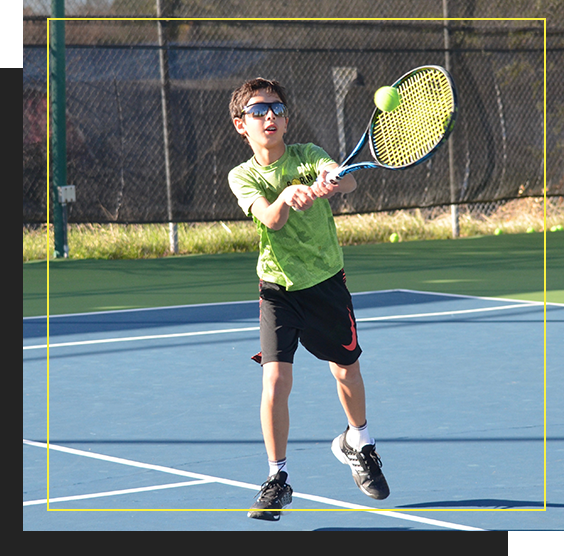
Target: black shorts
point(320, 317)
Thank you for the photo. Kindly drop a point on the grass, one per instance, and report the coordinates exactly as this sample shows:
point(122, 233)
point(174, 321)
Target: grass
point(119, 241)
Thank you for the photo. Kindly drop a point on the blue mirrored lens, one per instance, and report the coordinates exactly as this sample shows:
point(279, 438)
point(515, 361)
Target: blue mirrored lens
point(260, 109)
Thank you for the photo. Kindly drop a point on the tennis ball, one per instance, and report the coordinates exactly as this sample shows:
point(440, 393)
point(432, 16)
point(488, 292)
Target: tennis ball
point(386, 98)
point(498, 231)
point(394, 238)
point(557, 228)
point(530, 230)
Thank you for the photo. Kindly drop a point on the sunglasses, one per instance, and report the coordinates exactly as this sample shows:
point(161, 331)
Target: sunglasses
point(261, 109)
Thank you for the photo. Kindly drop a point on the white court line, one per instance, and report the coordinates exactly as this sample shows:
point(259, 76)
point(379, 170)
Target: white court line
point(254, 301)
point(463, 296)
point(447, 313)
point(152, 337)
point(197, 305)
point(116, 492)
point(202, 479)
point(256, 328)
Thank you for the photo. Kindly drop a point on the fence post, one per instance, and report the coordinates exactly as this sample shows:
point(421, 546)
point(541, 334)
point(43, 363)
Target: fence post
point(165, 94)
point(453, 195)
point(57, 93)
point(343, 79)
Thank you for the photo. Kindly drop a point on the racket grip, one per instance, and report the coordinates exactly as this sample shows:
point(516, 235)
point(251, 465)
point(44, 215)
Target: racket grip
point(333, 176)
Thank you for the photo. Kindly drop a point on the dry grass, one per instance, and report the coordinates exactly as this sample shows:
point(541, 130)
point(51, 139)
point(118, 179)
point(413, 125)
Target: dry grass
point(116, 241)
point(513, 217)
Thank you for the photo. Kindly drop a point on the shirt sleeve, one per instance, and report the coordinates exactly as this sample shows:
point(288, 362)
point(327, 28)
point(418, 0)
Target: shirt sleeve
point(245, 188)
point(318, 157)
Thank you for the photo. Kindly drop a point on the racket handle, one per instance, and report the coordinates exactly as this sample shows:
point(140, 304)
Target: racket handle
point(333, 175)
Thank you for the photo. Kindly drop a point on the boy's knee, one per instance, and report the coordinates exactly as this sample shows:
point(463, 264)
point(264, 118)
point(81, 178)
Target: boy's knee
point(277, 378)
point(346, 373)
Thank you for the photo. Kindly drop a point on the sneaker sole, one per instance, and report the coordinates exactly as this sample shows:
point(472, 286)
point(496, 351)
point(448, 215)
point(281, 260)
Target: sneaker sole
point(269, 515)
point(338, 453)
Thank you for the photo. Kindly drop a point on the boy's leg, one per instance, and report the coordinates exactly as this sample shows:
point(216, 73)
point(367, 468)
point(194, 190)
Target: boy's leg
point(276, 493)
point(350, 388)
point(274, 414)
point(361, 456)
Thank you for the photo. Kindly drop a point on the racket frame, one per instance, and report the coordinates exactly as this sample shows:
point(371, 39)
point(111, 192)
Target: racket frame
point(347, 166)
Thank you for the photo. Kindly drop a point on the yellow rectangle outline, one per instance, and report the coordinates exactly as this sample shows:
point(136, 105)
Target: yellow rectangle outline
point(375, 510)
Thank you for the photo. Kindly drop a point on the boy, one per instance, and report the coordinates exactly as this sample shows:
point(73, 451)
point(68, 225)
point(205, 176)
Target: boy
point(303, 296)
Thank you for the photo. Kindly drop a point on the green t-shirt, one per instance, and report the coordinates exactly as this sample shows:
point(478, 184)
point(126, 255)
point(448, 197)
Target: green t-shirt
point(306, 250)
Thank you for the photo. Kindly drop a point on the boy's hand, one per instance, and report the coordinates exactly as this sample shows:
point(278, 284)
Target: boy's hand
point(299, 197)
point(322, 188)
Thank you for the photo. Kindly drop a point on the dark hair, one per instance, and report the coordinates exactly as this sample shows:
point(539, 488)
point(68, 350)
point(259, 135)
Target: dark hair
point(242, 94)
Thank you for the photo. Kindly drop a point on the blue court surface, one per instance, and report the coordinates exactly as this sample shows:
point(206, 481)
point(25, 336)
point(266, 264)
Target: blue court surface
point(152, 418)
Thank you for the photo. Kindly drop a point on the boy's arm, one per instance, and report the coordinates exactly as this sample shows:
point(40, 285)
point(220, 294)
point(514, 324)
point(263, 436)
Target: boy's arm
point(321, 189)
point(300, 197)
point(275, 215)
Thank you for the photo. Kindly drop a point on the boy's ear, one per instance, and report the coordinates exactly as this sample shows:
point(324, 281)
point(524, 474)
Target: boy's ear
point(239, 125)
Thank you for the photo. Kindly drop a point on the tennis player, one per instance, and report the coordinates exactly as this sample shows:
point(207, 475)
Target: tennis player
point(303, 293)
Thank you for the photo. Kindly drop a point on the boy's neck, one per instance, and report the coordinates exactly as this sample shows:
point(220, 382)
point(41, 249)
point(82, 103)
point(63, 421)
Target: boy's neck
point(265, 157)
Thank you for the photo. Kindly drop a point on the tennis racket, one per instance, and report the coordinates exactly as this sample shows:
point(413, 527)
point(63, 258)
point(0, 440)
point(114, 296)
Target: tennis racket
point(412, 132)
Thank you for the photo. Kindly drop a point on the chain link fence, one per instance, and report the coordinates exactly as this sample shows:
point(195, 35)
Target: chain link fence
point(331, 68)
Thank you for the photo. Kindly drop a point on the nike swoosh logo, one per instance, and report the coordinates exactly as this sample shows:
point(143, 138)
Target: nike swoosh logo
point(352, 345)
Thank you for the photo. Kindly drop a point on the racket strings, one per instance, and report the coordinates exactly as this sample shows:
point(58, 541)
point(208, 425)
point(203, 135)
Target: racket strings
point(412, 130)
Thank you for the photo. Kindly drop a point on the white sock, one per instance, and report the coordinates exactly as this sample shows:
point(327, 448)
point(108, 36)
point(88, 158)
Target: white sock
point(276, 466)
point(357, 437)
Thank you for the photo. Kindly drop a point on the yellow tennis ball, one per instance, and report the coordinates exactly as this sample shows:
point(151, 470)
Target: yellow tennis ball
point(394, 238)
point(387, 98)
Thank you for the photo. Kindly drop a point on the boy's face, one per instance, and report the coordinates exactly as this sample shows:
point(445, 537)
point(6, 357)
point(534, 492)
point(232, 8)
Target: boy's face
point(266, 132)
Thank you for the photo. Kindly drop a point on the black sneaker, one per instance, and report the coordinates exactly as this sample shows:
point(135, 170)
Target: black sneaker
point(274, 496)
point(365, 465)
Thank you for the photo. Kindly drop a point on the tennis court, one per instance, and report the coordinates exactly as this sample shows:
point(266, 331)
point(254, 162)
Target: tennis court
point(140, 398)
point(154, 412)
